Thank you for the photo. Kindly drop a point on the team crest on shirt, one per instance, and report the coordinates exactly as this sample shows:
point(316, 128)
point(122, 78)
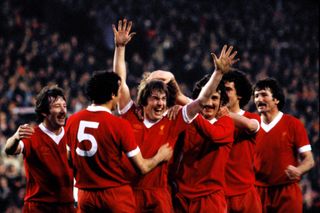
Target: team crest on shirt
point(137, 126)
point(161, 132)
point(44, 150)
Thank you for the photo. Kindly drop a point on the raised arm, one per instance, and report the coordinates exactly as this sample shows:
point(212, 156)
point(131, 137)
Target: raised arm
point(242, 122)
point(12, 146)
point(146, 165)
point(122, 36)
point(223, 64)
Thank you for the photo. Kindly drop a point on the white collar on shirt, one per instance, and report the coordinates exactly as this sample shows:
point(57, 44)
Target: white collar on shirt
point(149, 124)
point(94, 108)
point(54, 137)
point(268, 127)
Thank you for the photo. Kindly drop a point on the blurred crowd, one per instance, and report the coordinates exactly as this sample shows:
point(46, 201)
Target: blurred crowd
point(63, 41)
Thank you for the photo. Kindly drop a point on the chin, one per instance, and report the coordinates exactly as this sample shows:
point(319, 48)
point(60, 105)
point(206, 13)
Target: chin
point(208, 116)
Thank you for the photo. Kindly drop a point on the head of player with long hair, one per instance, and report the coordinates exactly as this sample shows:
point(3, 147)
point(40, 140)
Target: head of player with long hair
point(103, 87)
point(238, 87)
point(218, 99)
point(51, 107)
point(268, 95)
point(155, 96)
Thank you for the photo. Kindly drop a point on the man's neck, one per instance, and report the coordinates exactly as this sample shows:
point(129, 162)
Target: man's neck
point(235, 108)
point(268, 117)
point(107, 105)
point(56, 130)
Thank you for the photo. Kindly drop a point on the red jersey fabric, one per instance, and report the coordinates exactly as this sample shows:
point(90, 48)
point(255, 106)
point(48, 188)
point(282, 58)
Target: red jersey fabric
point(281, 199)
point(277, 147)
point(49, 177)
point(97, 140)
point(204, 155)
point(214, 202)
point(240, 175)
point(115, 199)
point(149, 141)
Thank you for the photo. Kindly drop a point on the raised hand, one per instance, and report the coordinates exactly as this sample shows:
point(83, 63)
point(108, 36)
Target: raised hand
point(223, 111)
point(226, 60)
point(24, 131)
point(122, 35)
point(173, 112)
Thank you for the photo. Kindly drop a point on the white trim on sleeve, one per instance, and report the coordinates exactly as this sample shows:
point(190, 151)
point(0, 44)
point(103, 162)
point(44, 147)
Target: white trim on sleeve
point(304, 148)
point(21, 144)
point(185, 115)
point(126, 108)
point(257, 123)
point(133, 152)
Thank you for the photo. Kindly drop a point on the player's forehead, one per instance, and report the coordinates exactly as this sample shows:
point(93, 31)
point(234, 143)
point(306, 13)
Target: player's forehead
point(158, 93)
point(215, 95)
point(266, 91)
point(57, 100)
point(229, 84)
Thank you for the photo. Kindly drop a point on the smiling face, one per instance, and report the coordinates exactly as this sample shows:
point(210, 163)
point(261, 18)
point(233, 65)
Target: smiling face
point(265, 102)
point(212, 106)
point(57, 114)
point(156, 105)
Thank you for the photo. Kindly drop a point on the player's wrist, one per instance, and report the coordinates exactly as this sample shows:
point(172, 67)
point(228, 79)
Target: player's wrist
point(120, 45)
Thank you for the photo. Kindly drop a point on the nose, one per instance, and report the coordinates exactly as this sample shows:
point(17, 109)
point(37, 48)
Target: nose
point(160, 102)
point(63, 109)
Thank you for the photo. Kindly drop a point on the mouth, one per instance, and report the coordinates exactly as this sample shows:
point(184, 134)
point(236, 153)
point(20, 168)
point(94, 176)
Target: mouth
point(61, 117)
point(158, 112)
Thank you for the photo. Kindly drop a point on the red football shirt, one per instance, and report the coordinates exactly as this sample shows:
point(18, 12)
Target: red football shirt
point(97, 140)
point(240, 175)
point(49, 177)
point(278, 145)
point(150, 136)
point(204, 155)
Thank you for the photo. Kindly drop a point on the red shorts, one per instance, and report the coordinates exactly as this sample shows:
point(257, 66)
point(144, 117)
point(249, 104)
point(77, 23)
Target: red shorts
point(284, 198)
point(116, 199)
point(153, 200)
point(214, 202)
point(248, 202)
point(40, 207)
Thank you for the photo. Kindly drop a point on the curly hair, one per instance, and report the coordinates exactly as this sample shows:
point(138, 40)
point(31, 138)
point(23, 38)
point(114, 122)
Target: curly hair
point(102, 85)
point(242, 85)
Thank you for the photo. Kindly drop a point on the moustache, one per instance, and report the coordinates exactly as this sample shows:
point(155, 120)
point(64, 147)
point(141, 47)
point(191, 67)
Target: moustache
point(261, 104)
point(208, 107)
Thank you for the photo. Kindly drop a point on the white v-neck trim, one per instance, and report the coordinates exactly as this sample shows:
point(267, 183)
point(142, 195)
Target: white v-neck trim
point(54, 137)
point(213, 120)
point(268, 127)
point(149, 124)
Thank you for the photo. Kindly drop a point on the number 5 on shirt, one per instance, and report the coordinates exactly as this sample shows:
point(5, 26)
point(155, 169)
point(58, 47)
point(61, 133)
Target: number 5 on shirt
point(81, 136)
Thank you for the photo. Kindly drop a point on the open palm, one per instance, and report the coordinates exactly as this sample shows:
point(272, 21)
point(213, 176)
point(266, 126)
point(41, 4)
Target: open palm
point(122, 35)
